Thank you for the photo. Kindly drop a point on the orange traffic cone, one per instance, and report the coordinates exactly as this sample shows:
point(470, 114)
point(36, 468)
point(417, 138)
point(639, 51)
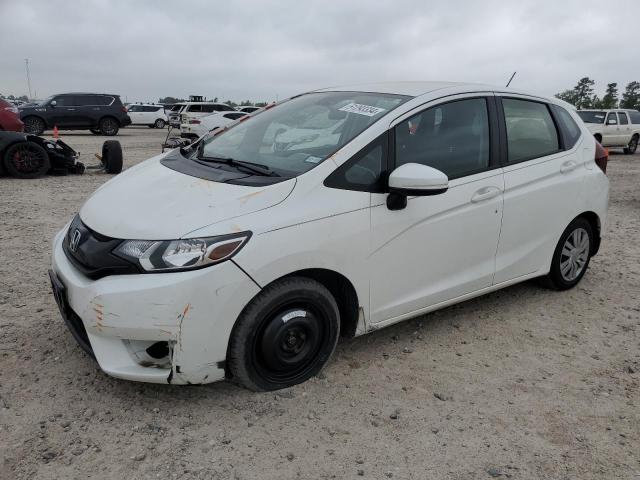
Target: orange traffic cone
point(55, 131)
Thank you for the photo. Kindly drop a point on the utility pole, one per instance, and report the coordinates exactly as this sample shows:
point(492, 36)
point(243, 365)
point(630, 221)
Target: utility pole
point(26, 63)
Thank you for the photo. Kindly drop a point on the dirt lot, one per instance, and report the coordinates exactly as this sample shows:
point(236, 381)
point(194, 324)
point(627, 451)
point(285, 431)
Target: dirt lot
point(524, 383)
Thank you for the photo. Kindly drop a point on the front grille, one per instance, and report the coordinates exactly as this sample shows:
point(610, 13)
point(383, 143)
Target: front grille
point(92, 253)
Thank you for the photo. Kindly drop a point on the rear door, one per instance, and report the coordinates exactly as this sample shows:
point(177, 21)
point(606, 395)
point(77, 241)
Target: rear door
point(543, 184)
point(443, 246)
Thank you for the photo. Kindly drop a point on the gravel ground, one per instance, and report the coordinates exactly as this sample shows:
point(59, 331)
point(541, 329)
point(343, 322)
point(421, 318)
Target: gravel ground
point(524, 383)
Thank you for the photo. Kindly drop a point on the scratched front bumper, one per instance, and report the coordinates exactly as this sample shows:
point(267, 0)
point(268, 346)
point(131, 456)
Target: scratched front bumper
point(193, 311)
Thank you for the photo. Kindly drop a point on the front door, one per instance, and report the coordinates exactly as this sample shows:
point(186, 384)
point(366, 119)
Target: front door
point(443, 246)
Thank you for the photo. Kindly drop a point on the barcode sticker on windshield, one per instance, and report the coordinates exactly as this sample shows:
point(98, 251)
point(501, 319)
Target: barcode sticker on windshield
point(360, 109)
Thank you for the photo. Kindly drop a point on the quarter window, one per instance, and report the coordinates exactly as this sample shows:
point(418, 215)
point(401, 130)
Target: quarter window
point(363, 172)
point(452, 137)
point(531, 132)
point(569, 129)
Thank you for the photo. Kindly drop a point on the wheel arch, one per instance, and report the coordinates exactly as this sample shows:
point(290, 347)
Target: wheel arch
point(39, 117)
point(109, 116)
point(596, 225)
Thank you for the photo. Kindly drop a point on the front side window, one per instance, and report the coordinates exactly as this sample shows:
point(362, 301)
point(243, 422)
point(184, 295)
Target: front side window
point(453, 138)
point(612, 119)
point(568, 127)
point(65, 101)
point(531, 132)
point(296, 135)
point(134, 108)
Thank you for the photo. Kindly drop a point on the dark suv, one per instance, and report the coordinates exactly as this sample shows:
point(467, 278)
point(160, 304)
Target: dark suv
point(103, 114)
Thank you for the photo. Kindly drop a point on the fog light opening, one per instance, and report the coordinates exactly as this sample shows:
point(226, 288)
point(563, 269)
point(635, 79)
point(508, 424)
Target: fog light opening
point(158, 350)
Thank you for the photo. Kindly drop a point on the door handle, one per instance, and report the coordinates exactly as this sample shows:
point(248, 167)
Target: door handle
point(485, 193)
point(568, 166)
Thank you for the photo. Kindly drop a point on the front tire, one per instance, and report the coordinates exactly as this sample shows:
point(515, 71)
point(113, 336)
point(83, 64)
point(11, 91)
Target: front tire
point(571, 256)
point(34, 125)
point(632, 147)
point(159, 123)
point(284, 336)
point(109, 126)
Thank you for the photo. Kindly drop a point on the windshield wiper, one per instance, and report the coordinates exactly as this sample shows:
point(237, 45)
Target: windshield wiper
point(253, 167)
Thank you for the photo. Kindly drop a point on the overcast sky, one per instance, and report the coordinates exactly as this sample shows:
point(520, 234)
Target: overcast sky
point(263, 50)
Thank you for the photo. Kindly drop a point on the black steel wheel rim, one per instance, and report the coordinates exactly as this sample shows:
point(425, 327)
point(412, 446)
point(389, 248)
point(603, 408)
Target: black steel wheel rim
point(32, 125)
point(27, 159)
point(288, 341)
point(108, 127)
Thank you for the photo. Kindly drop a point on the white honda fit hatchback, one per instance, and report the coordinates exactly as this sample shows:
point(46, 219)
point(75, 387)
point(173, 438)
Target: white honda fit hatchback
point(245, 257)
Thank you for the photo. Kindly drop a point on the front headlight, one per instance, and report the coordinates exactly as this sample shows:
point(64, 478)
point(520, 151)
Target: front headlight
point(185, 254)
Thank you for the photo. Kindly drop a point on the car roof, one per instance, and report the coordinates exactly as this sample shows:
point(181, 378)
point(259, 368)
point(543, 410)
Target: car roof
point(206, 103)
point(418, 88)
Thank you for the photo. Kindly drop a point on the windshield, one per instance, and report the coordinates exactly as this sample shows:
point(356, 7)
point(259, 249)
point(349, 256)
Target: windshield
point(293, 137)
point(592, 117)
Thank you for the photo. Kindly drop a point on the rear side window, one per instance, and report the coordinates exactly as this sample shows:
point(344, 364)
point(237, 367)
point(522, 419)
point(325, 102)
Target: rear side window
point(635, 117)
point(531, 132)
point(568, 127)
point(452, 137)
point(103, 100)
point(623, 118)
point(194, 108)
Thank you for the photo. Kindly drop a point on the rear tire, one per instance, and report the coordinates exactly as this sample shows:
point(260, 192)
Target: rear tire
point(26, 160)
point(109, 126)
point(633, 145)
point(112, 156)
point(159, 123)
point(34, 125)
point(284, 336)
point(571, 256)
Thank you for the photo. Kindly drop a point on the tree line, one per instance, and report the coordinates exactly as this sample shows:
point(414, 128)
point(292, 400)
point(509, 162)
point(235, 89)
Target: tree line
point(243, 103)
point(582, 96)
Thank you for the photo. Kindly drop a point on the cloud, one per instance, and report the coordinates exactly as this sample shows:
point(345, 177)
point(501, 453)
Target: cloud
point(263, 50)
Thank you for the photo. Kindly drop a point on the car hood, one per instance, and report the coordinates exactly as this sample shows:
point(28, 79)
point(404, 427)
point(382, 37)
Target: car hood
point(153, 202)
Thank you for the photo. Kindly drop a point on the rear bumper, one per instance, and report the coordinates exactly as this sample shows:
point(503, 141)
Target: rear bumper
point(125, 121)
point(123, 315)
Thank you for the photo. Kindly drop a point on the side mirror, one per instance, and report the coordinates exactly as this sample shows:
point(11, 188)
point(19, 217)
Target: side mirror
point(416, 180)
point(53, 103)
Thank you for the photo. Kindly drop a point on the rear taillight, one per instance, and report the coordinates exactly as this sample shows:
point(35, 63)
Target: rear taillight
point(194, 122)
point(124, 109)
point(602, 157)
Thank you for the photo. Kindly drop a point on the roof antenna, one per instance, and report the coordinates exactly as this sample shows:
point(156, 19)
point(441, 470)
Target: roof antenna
point(509, 82)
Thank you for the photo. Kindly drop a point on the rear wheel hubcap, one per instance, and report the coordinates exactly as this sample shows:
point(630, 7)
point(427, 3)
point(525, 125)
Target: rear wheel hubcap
point(574, 255)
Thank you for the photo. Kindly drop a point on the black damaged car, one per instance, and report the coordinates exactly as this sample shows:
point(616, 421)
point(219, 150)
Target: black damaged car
point(102, 114)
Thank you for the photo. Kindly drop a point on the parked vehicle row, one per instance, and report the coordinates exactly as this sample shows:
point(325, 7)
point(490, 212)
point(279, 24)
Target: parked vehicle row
point(614, 128)
point(386, 201)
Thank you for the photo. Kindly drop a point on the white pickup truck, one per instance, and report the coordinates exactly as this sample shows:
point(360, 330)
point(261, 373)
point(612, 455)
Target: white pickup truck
point(614, 128)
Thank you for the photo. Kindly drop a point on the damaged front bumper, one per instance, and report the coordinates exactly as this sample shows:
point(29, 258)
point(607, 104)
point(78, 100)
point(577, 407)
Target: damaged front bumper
point(159, 328)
